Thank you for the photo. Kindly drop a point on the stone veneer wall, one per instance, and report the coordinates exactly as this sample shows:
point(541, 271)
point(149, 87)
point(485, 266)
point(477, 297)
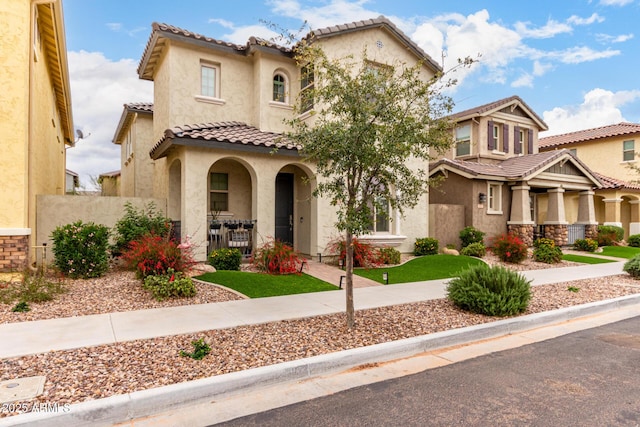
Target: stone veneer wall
point(558, 232)
point(523, 231)
point(14, 253)
point(591, 231)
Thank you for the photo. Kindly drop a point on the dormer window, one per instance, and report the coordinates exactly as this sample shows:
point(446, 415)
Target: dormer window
point(279, 86)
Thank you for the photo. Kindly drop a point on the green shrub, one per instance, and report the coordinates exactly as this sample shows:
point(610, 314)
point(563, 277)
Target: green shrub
point(543, 241)
point(633, 267)
point(547, 254)
point(634, 240)
point(276, 257)
point(426, 246)
point(200, 350)
point(21, 307)
point(609, 234)
point(153, 255)
point(171, 284)
point(469, 235)
point(80, 250)
point(225, 258)
point(389, 256)
point(588, 245)
point(136, 223)
point(509, 248)
point(475, 249)
point(494, 291)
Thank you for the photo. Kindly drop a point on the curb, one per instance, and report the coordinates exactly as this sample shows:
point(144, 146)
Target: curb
point(123, 408)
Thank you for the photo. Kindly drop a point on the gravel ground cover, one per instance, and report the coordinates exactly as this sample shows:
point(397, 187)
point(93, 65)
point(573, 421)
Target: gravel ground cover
point(96, 372)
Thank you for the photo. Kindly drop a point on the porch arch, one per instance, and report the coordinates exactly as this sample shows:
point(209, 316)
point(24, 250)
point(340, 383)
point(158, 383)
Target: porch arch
point(303, 212)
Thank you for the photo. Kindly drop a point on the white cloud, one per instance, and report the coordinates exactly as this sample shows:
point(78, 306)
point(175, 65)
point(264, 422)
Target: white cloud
point(331, 13)
point(615, 2)
point(241, 35)
point(600, 107)
point(540, 69)
point(99, 88)
point(550, 29)
point(576, 20)
point(222, 22)
point(578, 54)
point(525, 80)
point(114, 26)
point(606, 38)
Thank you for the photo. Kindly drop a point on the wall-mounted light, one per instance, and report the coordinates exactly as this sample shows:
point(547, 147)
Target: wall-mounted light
point(482, 197)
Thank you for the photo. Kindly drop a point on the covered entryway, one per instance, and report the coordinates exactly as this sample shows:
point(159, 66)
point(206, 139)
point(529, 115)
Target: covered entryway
point(284, 208)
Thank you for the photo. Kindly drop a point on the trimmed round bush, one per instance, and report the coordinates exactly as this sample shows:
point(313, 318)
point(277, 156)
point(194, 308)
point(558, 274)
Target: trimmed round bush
point(633, 267)
point(172, 284)
point(609, 234)
point(634, 240)
point(476, 249)
point(225, 259)
point(389, 256)
point(494, 291)
point(80, 249)
point(509, 248)
point(426, 246)
point(469, 235)
point(547, 254)
point(587, 245)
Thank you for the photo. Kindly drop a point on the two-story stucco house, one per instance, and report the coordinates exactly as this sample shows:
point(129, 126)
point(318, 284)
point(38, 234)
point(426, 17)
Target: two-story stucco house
point(609, 151)
point(498, 181)
point(218, 114)
point(35, 120)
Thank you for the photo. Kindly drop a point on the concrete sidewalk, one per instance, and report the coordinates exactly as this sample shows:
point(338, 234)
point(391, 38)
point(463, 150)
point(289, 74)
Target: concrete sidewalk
point(83, 331)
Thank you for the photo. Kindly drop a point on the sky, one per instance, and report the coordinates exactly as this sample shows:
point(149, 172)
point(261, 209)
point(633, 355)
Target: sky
point(574, 62)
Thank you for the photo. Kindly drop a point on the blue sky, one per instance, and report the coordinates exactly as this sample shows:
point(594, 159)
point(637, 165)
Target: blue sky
point(574, 62)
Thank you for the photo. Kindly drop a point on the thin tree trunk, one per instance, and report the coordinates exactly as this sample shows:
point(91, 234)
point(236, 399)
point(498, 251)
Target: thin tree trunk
point(351, 321)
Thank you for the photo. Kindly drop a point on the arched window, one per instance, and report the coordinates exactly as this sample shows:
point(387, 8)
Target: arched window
point(279, 88)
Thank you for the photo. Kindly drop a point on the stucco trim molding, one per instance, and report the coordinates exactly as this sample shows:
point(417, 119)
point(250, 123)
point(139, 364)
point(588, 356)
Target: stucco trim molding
point(15, 231)
point(383, 239)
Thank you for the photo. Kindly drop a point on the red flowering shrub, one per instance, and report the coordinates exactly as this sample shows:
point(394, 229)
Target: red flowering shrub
point(509, 248)
point(276, 257)
point(364, 254)
point(153, 255)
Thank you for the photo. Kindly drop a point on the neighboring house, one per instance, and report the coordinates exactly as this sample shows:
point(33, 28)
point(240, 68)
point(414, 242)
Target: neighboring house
point(35, 120)
point(608, 150)
point(72, 182)
point(218, 115)
point(110, 184)
point(134, 134)
point(499, 182)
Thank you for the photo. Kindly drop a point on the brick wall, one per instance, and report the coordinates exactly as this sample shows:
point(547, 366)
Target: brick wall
point(14, 253)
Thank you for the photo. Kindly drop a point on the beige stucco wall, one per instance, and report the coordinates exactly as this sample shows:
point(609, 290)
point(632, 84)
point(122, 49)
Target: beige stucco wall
point(445, 223)
point(55, 211)
point(137, 169)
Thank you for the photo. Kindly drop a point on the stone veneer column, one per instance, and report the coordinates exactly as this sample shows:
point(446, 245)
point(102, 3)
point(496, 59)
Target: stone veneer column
point(555, 227)
point(520, 223)
point(587, 214)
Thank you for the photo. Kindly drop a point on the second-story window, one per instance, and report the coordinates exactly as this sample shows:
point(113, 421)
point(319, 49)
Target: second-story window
point(628, 150)
point(306, 88)
point(279, 88)
point(463, 140)
point(209, 75)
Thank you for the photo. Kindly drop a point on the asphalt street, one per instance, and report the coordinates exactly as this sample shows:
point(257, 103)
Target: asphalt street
point(588, 378)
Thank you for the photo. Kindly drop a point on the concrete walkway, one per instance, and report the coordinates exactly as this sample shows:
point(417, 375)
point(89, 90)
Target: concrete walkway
point(74, 332)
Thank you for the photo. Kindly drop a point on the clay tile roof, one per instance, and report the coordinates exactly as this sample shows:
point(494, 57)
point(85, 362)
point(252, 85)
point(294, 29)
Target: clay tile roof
point(486, 109)
point(209, 134)
point(515, 168)
point(380, 21)
point(140, 107)
point(608, 131)
point(609, 183)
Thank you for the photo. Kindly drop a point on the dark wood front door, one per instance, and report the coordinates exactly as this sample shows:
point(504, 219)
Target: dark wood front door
point(284, 208)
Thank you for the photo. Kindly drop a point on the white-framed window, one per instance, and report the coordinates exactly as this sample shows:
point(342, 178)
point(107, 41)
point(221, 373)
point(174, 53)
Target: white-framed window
point(628, 151)
point(306, 88)
point(494, 198)
point(279, 88)
point(463, 140)
point(381, 219)
point(218, 192)
point(209, 80)
point(497, 137)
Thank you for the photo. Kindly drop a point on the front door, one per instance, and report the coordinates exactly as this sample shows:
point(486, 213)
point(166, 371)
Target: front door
point(284, 208)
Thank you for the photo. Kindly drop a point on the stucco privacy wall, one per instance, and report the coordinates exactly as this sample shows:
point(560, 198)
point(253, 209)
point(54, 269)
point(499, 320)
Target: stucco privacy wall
point(445, 223)
point(54, 211)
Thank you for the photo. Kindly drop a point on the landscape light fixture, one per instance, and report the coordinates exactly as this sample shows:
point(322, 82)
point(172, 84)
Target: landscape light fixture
point(385, 277)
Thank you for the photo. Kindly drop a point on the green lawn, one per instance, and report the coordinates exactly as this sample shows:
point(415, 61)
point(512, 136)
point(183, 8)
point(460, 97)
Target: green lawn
point(585, 259)
point(620, 251)
point(428, 267)
point(258, 285)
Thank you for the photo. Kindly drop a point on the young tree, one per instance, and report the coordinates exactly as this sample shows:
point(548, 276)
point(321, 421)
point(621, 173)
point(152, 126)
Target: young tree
point(372, 129)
